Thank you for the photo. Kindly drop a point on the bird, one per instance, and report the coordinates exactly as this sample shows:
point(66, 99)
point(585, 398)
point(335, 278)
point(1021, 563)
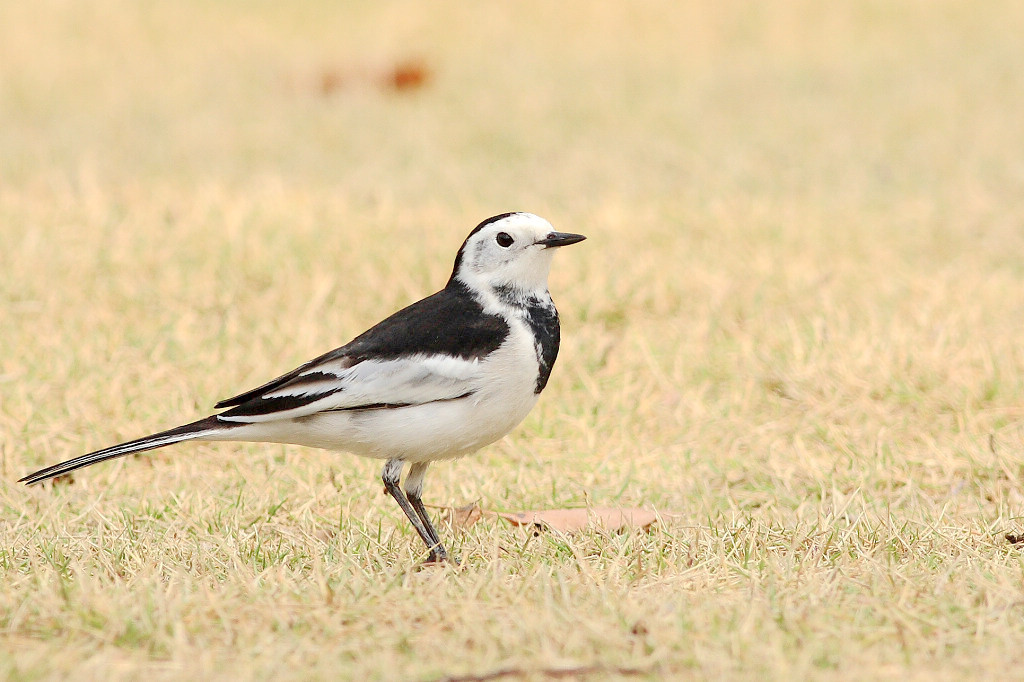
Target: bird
point(437, 380)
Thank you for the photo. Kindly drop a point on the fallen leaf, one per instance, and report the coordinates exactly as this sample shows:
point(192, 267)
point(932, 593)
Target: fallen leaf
point(463, 517)
point(402, 75)
point(563, 520)
point(569, 520)
point(331, 80)
point(407, 75)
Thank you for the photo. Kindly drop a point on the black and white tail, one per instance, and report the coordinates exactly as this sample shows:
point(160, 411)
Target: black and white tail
point(204, 428)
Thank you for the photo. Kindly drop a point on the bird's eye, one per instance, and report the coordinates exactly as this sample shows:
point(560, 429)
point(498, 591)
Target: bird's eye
point(504, 240)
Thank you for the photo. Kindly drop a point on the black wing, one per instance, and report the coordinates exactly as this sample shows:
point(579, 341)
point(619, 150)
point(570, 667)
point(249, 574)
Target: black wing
point(449, 323)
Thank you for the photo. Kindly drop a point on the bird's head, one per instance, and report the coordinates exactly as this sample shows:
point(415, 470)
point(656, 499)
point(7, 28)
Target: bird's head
point(511, 250)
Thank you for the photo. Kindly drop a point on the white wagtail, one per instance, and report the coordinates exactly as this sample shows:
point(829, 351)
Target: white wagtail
point(437, 380)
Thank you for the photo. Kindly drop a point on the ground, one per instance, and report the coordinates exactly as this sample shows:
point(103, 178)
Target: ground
point(794, 332)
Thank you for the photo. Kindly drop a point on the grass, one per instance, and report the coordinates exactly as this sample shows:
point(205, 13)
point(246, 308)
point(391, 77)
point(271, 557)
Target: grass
point(795, 327)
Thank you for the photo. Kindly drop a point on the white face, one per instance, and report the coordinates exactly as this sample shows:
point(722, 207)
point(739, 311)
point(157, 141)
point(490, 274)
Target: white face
point(508, 253)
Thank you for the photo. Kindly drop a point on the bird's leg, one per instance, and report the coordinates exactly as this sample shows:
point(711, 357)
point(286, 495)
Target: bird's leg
point(391, 476)
point(413, 489)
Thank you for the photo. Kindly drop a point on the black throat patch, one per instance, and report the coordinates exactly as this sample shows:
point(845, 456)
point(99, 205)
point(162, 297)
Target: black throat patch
point(542, 317)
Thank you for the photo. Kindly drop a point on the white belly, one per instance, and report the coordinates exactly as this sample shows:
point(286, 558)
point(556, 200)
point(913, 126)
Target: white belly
point(431, 431)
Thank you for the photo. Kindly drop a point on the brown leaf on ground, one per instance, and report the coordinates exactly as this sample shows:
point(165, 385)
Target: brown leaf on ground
point(407, 75)
point(564, 520)
point(569, 520)
point(463, 517)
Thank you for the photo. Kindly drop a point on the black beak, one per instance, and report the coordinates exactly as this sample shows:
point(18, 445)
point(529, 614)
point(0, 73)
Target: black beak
point(560, 239)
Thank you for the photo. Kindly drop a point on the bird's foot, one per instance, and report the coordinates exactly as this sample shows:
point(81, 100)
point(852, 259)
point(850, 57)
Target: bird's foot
point(439, 558)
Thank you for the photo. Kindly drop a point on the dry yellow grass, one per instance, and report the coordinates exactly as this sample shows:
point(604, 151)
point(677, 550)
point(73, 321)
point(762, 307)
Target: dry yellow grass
point(796, 324)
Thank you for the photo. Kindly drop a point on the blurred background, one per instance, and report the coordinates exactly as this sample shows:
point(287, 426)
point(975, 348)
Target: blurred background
point(859, 102)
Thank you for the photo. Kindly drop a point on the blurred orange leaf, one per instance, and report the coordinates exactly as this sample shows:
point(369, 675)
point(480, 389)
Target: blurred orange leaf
point(331, 80)
point(400, 76)
point(406, 75)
